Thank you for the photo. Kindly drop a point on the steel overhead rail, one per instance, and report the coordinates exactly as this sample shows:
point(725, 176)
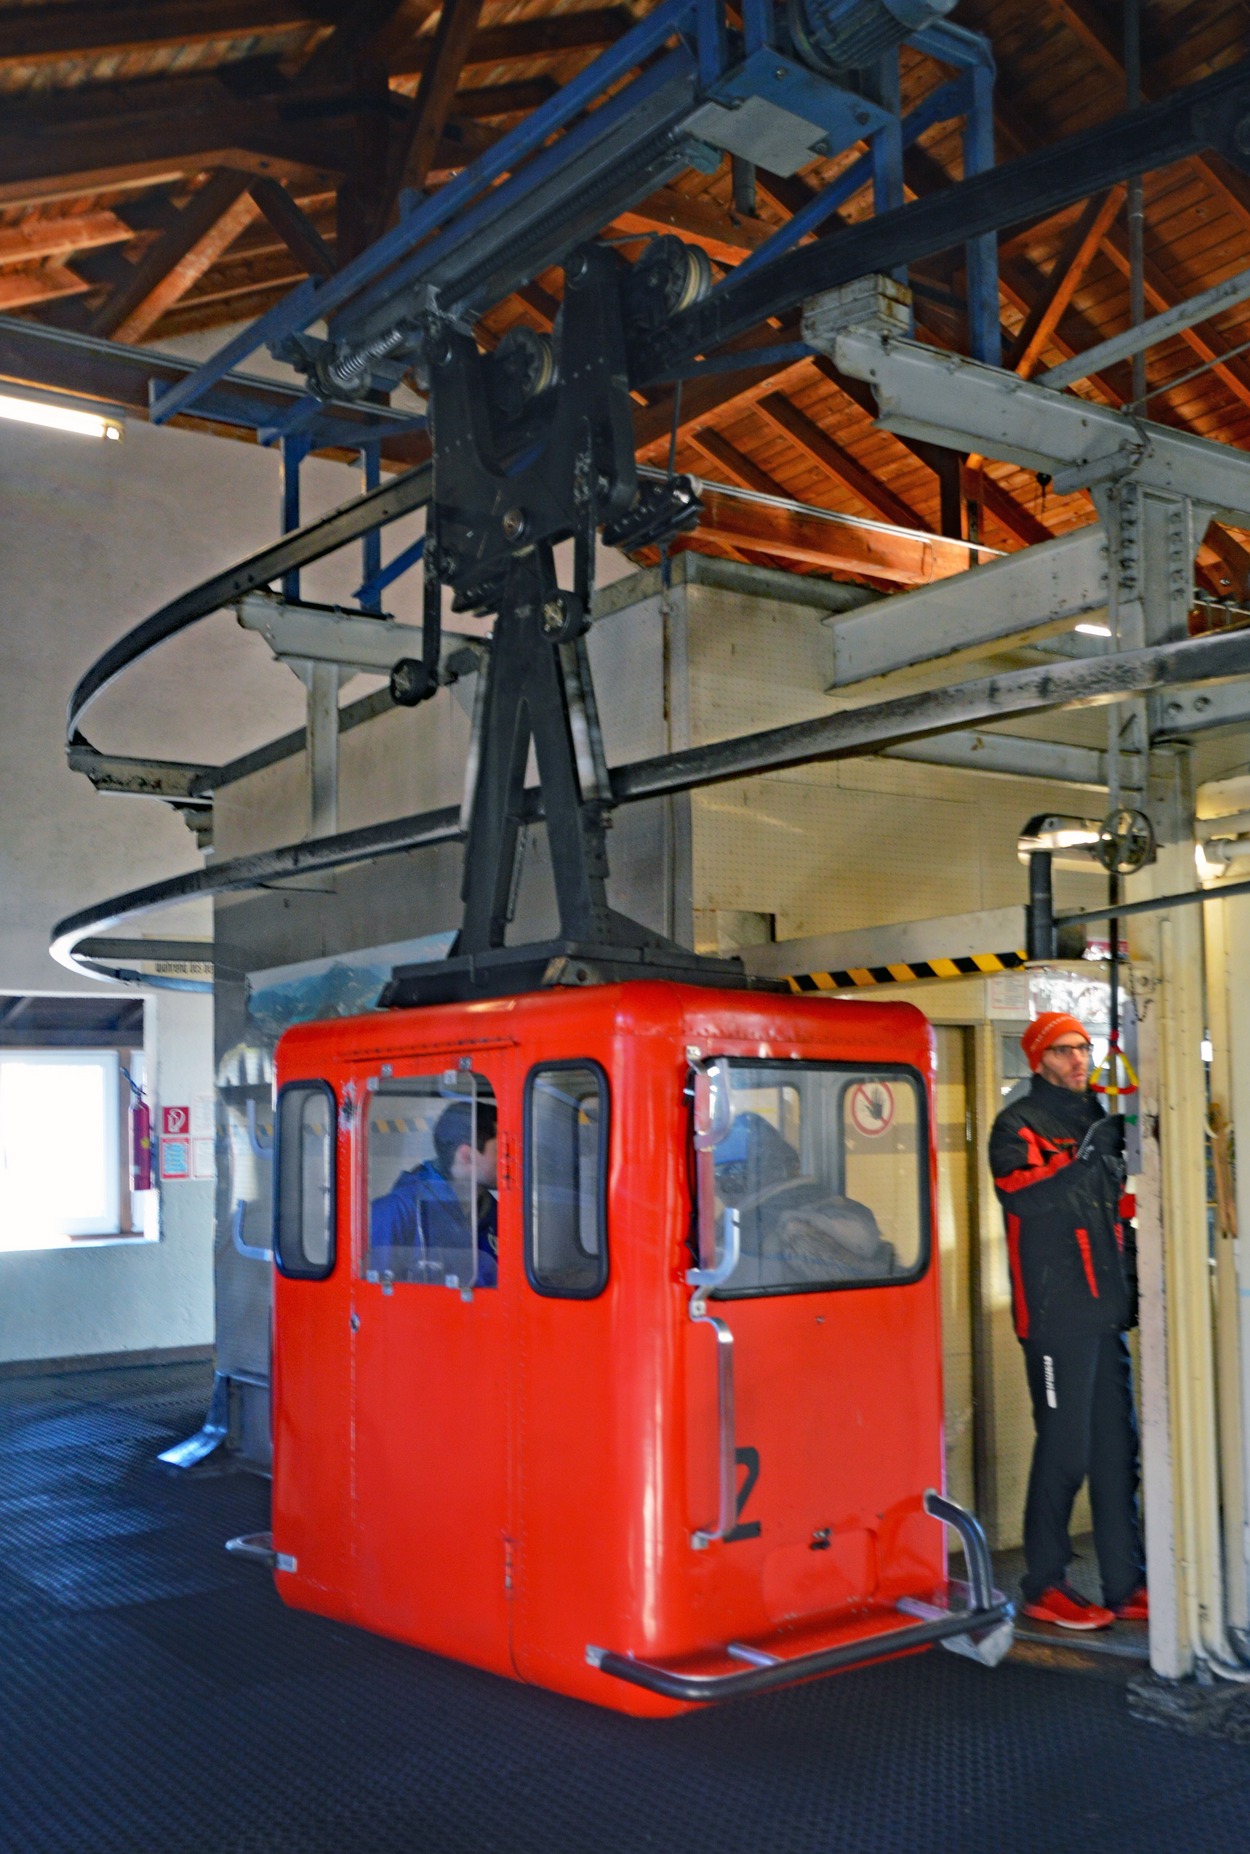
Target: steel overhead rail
point(922, 392)
point(843, 735)
point(402, 495)
point(662, 99)
point(122, 378)
point(396, 261)
point(1214, 113)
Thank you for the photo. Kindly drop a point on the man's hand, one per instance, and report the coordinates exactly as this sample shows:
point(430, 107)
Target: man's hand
point(1105, 1139)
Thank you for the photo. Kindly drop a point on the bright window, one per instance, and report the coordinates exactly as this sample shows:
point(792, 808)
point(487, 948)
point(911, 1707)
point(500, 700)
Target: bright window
point(60, 1146)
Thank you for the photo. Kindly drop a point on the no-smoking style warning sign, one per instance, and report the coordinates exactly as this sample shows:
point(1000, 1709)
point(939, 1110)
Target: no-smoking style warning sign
point(872, 1107)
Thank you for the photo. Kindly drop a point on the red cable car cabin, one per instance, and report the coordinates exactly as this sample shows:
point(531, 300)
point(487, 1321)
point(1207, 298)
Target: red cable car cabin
point(640, 1400)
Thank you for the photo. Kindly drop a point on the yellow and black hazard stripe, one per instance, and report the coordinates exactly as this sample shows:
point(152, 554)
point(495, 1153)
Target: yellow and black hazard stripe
point(969, 965)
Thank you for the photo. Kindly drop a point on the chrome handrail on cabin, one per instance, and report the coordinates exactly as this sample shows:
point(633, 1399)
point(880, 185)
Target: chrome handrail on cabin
point(703, 1280)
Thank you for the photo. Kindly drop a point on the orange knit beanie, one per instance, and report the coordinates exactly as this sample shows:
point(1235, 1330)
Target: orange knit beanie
point(1047, 1029)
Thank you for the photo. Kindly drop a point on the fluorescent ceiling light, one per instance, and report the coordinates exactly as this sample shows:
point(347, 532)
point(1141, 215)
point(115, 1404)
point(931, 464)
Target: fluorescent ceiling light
point(59, 418)
point(1093, 630)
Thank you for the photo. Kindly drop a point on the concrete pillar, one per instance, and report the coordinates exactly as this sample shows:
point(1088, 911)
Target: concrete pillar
point(1228, 1024)
point(1179, 1434)
point(1169, 1646)
point(1235, 919)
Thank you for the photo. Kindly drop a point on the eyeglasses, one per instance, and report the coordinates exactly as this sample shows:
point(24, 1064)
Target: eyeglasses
point(1070, 1049)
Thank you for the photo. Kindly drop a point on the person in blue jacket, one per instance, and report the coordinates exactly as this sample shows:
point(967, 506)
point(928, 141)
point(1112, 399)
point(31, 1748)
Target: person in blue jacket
point(430, 1208)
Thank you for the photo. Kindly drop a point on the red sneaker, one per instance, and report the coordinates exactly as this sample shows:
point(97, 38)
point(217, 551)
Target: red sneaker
point(1135, 1608)
point(1068, 1609)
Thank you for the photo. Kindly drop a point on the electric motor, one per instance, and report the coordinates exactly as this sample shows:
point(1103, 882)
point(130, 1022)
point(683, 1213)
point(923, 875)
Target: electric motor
point(835, 36)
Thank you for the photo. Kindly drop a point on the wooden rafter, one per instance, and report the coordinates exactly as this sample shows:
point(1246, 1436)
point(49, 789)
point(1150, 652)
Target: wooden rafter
point(160, 131)
point(588, 29)
point(741, 468)
point(367, 32)
point(832, 546)
point(204, 228)
point(980, 487)
point(21, 289)
point(35, 238)
point(46, 34)
point(1095, 35)
point(505, 99)
point(1233, 557)
point(837, 463)
point(1160, 295)
point(412, 155)
point(1064, 279)
point(293, 226)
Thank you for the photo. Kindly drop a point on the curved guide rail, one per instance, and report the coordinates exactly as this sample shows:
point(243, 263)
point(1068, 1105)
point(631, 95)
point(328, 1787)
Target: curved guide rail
point(373, 510)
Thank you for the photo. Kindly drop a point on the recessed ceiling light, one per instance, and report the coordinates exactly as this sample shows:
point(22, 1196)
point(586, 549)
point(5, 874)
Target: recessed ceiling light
point(1093, 630)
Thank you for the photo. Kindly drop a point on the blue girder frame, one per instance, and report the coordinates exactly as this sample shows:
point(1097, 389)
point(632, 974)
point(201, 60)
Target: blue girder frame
point(481, 201)
point(547, 153)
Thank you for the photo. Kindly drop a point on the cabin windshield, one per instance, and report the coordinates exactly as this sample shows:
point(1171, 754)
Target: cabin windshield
point(821, 1168)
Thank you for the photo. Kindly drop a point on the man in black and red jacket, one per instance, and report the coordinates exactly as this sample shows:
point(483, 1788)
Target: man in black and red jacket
point(1059, 1172)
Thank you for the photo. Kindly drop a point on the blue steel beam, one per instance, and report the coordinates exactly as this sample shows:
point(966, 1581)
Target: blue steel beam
point(321, 297)
point(372, 589)
point(948, 100)
point(477, 236)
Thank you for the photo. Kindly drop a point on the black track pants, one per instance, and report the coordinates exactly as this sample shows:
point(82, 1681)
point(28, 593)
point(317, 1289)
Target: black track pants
point(1082, 1391)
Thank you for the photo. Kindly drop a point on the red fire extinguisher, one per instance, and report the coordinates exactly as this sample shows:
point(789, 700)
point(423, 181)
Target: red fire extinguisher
point(140, 1144)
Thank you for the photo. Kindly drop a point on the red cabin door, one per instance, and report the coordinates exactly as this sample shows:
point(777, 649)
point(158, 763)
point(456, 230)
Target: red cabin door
point(433, 1294)
point(809, 1454)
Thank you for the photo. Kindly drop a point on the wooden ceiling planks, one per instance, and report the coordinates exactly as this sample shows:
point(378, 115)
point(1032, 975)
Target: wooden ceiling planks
point(109, 93)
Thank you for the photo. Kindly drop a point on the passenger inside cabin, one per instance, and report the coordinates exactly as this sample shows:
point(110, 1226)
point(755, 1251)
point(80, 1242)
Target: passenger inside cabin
point(797, 1227)
point(428, 1212)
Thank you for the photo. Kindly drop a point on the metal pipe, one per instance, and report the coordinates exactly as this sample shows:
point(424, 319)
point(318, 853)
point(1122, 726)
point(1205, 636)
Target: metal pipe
point(1040, 916)
point(936, 711)
point(1135, 196)
point(1185, 898)
point(735, 492)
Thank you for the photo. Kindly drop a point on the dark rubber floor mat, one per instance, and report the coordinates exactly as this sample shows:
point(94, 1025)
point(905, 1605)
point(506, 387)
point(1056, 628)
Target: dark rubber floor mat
point(78, 1428)
point(159, 1699)
point(26, 1525)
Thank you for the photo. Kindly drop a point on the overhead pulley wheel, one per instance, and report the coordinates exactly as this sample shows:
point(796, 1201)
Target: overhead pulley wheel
point(669, 277)
point(1125, 842)
point(522, 367)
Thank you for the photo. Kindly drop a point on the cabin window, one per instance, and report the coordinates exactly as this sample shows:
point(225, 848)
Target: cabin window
point(431, 1147)
point(305, 1196)
point(820, 1174)
point(566, 1147)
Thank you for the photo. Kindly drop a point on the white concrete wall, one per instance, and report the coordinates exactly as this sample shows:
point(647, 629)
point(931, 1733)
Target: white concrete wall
point(94, 537)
